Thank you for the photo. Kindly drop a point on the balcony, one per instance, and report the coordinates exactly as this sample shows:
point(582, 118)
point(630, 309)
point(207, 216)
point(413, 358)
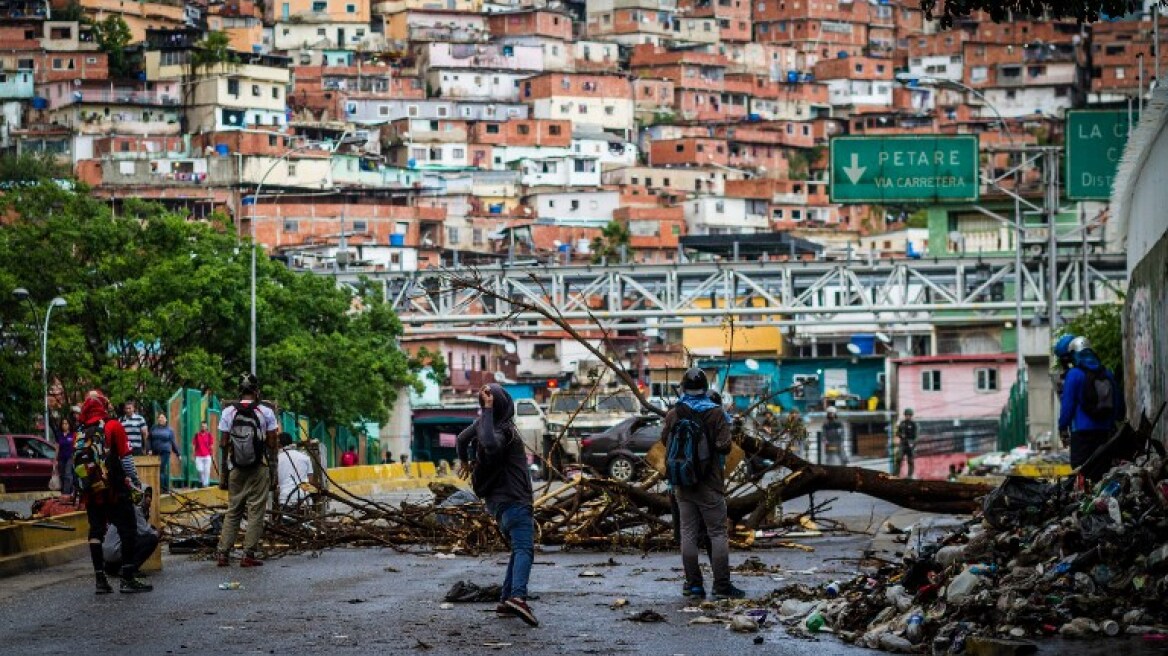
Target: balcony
point(446, 34)
point(115, 97)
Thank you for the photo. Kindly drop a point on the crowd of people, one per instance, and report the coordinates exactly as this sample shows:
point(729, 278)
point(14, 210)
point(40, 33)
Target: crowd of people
point(256, 461)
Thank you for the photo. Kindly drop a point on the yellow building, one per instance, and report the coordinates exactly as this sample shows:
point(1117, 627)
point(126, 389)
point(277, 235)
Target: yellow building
point(741, 340)
point(139, 16)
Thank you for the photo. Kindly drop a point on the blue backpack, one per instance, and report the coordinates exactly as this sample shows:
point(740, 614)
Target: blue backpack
point(688, 454)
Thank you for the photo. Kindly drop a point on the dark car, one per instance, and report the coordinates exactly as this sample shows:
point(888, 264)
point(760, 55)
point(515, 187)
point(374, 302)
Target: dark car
point(619, 451)
point(26, 463)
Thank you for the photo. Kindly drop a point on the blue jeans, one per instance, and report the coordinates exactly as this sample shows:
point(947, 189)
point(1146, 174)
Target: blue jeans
point(518, 526)
point(164, 468)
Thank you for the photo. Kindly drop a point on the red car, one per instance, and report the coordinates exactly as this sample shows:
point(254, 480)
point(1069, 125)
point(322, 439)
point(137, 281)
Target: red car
point(26, 462)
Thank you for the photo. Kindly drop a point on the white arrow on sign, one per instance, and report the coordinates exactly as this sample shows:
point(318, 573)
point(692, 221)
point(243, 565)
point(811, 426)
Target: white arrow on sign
point(855, 170)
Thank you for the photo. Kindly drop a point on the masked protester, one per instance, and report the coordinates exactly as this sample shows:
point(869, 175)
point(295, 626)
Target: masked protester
point(109, 485)
point(491, 453)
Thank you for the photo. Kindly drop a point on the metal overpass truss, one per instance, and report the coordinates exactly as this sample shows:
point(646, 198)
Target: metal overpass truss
point(912, 294)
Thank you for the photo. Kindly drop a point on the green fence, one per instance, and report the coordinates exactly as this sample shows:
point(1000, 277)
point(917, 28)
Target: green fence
point(1014, 428)
point(188, 408)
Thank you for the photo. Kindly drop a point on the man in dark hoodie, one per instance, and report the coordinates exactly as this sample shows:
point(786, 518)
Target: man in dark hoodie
point(1091, 404)
point(491, 452)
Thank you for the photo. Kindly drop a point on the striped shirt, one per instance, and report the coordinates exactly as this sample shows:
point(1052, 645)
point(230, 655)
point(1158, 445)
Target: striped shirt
point(135, 427)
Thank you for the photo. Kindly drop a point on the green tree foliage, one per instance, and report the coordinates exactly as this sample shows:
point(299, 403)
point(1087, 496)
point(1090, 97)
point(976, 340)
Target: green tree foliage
point(113, 35)
point(215, 48)
point(1101, 326)
point(608, 246)
point(157, 302)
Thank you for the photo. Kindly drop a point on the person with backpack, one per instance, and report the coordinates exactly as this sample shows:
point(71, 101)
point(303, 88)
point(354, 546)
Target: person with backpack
point(695, 432)
point(247, 441)
point(491, 454)
point(1091, 404)
point(108, 483)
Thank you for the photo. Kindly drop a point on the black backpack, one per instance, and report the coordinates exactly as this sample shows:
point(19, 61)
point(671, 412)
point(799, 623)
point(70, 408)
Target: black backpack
point(1098, 399)
point(688, 454)
point(247, 436)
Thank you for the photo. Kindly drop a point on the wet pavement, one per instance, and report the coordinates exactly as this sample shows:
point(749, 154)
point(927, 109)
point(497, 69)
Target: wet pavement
point(366, 601)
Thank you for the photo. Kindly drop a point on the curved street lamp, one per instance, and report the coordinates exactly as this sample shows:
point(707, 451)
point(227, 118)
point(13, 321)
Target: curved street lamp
point(22, 294)
point(254, 200)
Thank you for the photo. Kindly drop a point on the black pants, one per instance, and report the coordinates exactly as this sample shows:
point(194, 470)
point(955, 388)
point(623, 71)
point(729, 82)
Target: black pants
point(1083, 445)
point(120, 513)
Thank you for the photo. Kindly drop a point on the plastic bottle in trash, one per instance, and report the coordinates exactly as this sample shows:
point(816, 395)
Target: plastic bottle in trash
point(833, 589)
point(230, 585)
point(1111, 628)
point(984, 569)
point(915, 631)
point(815, 622)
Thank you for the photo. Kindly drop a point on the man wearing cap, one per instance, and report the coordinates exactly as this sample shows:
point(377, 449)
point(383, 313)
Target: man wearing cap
point(906, 434)
point(705, 501)
point(248, 486)
point(833, 438)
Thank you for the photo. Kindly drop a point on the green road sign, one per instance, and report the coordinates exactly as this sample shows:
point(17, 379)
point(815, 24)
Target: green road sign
point(1095, 141)
point(916, 168)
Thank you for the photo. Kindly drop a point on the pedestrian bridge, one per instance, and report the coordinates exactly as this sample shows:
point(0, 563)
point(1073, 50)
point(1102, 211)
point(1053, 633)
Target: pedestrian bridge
point(890, 292)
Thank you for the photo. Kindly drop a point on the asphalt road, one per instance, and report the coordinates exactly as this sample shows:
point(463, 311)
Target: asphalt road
point(379, 601)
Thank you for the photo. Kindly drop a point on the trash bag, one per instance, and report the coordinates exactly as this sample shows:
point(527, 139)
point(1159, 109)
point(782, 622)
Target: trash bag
point(466, 592)
point(1017, 501)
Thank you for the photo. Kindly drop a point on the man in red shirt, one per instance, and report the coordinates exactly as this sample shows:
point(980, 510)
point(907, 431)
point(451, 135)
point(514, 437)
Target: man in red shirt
point(113, 503)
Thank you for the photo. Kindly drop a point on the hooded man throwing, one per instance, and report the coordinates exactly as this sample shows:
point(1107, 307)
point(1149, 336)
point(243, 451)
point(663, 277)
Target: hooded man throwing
point(491, 453)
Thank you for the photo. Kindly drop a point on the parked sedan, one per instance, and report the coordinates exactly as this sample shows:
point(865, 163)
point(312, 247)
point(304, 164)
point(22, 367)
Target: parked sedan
point(26, 463)
point(619, 451)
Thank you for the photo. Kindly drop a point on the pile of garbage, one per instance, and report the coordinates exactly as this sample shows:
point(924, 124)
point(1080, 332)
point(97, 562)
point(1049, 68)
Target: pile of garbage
point(1041, 559)
point(1021, 460)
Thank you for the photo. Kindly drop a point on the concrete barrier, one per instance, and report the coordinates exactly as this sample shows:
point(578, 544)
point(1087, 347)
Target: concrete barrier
point(36, 544)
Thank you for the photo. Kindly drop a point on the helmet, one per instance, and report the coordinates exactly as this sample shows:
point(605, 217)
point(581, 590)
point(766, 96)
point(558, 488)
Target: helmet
point(908, 412)
point(248, 383)
point(831, 410)
point(1079, 344)
point(1062, 348)
point(694, 381)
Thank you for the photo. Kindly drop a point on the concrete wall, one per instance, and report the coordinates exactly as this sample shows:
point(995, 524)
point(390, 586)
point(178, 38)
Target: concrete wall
point(1139, 199)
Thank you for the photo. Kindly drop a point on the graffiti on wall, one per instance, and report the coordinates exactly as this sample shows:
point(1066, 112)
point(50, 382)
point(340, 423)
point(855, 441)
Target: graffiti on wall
point(1146, 337)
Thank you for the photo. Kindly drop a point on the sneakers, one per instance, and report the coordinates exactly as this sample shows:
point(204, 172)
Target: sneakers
point(134, 584)
point(729, 592)
point(521, 610)
point(103, 586)
point(222, 559)
point(503, 610)
point(695, 591)
point(249, 560)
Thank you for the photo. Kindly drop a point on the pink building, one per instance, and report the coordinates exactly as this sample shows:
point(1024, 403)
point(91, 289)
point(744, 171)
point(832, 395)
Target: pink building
point(957, 401)
point(955, 386)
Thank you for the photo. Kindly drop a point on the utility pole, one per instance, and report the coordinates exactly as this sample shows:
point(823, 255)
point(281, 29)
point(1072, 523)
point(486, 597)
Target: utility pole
point(1050, 209)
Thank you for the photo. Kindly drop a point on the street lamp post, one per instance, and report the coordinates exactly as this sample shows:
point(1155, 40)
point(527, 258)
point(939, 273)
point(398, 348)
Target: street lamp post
point(22, 294)
point(254, 200)
point(1018, 229)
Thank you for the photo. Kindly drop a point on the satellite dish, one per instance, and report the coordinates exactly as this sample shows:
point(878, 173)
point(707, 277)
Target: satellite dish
point(884, 338)
point(509, 348)
point(500, 377)
point(853, 349)
point(751, 364)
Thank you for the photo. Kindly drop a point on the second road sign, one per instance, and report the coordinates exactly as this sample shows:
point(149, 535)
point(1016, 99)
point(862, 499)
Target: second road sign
point(903, 169)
